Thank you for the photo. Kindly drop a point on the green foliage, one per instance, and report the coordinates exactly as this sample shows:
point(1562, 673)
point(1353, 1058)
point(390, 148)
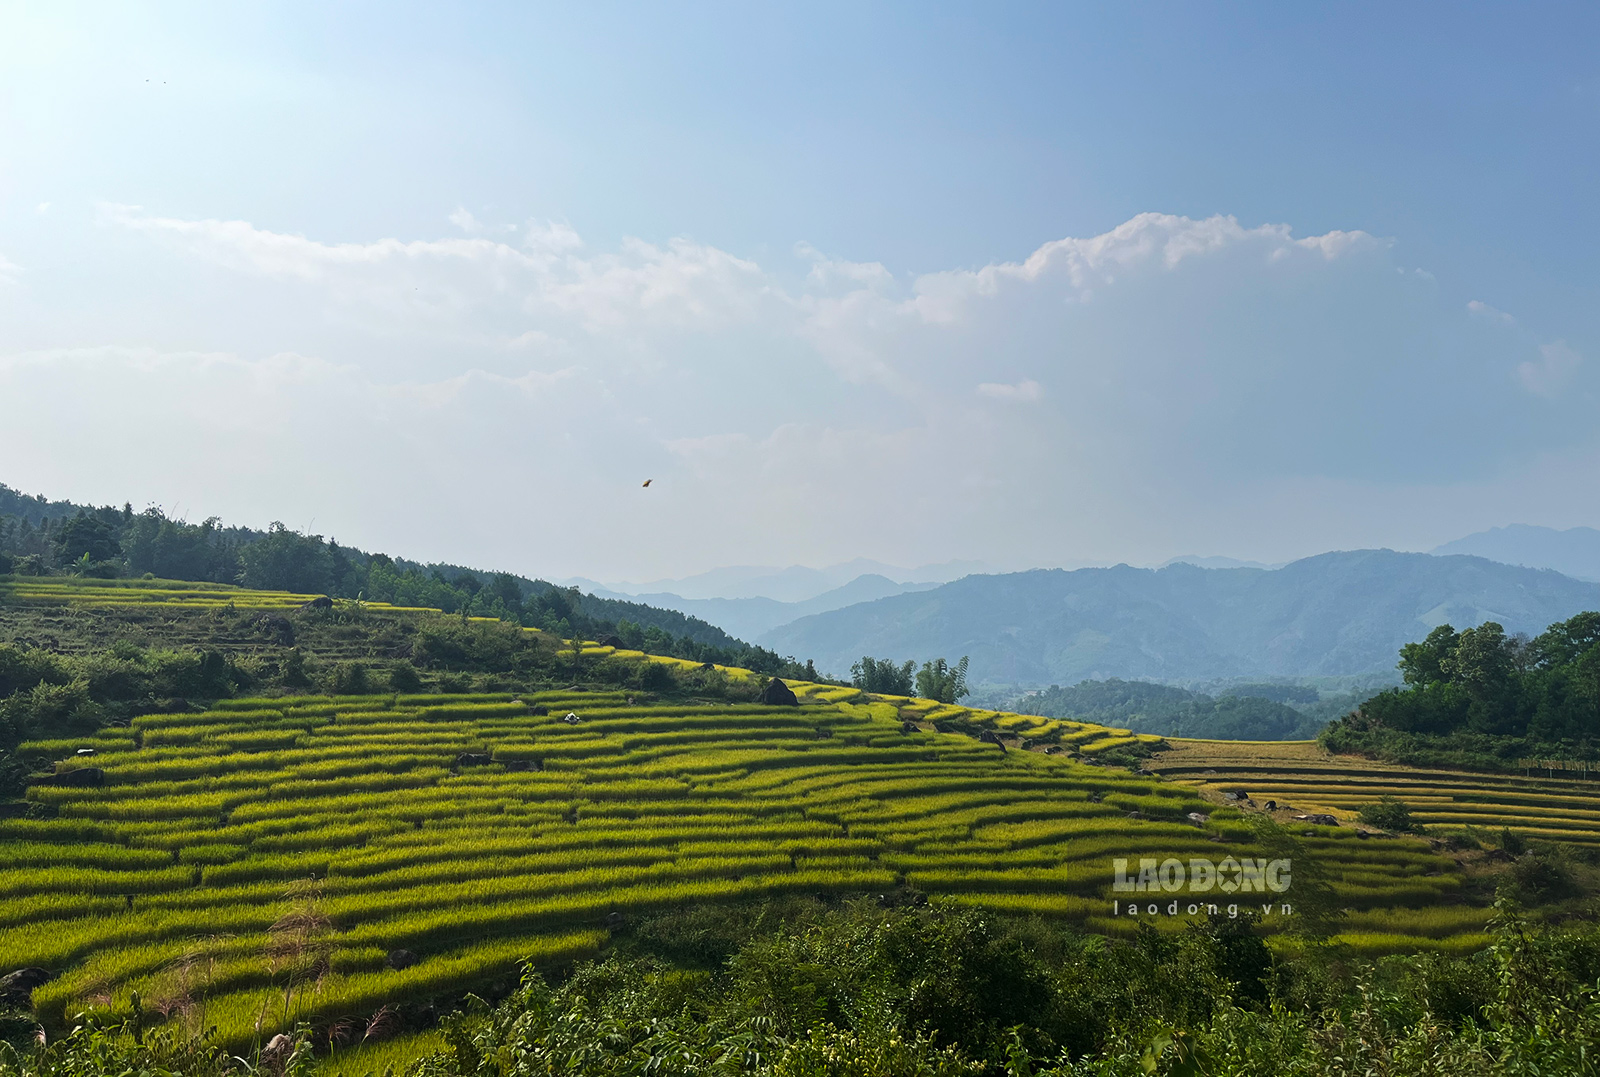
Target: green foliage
point(1387, 814)
point(939, 680)
point(86, 537)
point(883, 676)
point(38, 537)
point(286, 560)
point(403, 677)
point(1542, 878)
point(174, 550)
point(836, 996)
point(1482, 681)
point(1146, 707)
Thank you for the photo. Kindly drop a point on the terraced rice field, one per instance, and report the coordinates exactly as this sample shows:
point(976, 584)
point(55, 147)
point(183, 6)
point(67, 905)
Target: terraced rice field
point(477, 832)
point(1301, 774)
point(74, 591)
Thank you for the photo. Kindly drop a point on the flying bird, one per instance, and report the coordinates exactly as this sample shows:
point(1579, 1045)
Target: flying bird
point(647, 482)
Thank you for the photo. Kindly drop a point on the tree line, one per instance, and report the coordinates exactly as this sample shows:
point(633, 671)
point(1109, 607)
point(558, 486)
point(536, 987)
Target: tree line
point(39, 537)
point(1482, 697)
point(937, 679)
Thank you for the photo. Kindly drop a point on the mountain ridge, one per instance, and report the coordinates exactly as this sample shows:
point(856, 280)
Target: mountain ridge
point(1573, 552)
point(1338, 613)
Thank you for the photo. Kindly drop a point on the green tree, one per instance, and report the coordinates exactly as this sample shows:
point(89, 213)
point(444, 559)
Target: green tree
point(87, 536)
point(506, 588)
point(1387, 814)
point(1422, 663)
point(1568, 642)
point(941, 681)
point(288, 561)
point(883, 676)
point(1482, 661)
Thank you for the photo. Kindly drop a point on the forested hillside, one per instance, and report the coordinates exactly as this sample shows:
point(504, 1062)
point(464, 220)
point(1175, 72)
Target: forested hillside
point(39, 537)
point(1176, 712)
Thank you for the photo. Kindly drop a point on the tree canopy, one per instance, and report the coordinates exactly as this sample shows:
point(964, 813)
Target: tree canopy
point(1481, 680)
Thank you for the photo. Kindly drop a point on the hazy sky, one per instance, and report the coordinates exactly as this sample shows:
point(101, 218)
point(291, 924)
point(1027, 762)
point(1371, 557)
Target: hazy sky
point(1029, 285)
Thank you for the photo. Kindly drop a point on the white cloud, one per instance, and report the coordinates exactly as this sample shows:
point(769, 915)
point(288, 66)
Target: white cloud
point(1554, 371)
point(9, 270)
point(463, 219)
point(1480, 309)
point(555, 237)
point(642, 285)
point(42, 208)
point(1202, 375)
point(1024, 391)
point(833, 272)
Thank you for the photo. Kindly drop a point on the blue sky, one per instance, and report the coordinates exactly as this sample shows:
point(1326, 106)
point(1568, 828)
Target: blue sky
point(1024, 284)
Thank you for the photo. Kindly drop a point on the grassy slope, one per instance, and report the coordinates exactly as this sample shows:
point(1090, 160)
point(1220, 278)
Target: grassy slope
point(169, 879)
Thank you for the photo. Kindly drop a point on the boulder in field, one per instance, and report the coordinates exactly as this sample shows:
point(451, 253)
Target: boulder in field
point(778, 694)
point(81, 778)
point(17, 987)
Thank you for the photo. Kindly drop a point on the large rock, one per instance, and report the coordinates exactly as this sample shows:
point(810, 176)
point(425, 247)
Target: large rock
point(80, 778)
point(17, 987)
point(777, 694)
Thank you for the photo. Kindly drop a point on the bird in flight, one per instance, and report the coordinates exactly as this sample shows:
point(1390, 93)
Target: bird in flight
point(647, 482)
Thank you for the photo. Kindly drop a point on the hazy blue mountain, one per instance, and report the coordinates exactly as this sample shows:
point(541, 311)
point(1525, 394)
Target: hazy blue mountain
point(1333, 614)
point(797, 583)
point(749, 617)
point(1214, 562)
point(1574, 552)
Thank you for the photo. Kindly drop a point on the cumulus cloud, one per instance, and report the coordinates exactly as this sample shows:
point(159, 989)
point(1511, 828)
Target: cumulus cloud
point(834, 272)
point(557, 237)
point(642, 284)
point(1480, 309)
point(463, 219)
point(1202, 376)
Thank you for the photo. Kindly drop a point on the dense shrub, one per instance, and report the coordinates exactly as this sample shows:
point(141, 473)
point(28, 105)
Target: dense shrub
point(1387, 814)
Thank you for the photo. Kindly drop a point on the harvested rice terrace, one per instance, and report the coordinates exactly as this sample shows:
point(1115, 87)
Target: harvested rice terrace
point(78, 591)
point(481, 831)
point(1302, 775)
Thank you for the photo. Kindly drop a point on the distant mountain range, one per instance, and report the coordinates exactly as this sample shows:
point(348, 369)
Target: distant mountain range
point(1574, 552)
point(797, 583)
point(747, 618)
point(1336, 614)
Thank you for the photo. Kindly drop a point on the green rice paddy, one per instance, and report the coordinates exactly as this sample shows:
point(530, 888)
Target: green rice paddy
point(478, 832)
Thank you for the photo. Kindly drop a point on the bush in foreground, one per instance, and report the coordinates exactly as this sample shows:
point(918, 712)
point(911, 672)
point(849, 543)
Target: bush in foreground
point(866, 992)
